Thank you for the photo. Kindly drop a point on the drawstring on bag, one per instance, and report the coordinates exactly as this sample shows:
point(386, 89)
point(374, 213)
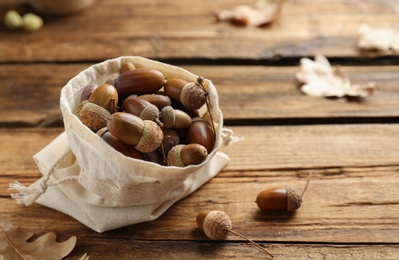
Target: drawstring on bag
point(28, 195)
point(228, 137)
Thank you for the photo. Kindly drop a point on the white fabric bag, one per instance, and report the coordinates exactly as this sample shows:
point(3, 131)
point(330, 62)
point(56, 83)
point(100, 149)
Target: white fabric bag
point(89, 180)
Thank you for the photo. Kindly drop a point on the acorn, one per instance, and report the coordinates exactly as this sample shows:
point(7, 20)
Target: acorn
point(111, 79)
point(171, 138)
point(144, 135)
point(93, 116)
point(87, 90)
point(216, 225)
point(121, 147)
point(201, 132)
point(141, 108)
point(183, 155)
point(154, 157)
point(106, 96)
point(174, 118)
point(139, 82)
point(281, 199)
point(191, 94)
point(191, 112)
point(159, 100)
point(127, 66)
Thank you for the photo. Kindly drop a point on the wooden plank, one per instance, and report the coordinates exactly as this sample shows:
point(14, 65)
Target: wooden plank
point(348, 192)
point(30, 93)
point(18, 146)
point(127, 249)
point(357, 205)
point(305, 28)
point(263, 148)
point(318, 146)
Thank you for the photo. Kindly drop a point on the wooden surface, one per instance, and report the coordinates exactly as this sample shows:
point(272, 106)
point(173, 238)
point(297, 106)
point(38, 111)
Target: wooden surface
point(351, 208)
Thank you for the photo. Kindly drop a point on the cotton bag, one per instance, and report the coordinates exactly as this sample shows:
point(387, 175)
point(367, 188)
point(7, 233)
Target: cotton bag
point(89, 180)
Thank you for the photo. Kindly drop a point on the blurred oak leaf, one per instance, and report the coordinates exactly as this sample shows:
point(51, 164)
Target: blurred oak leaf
point(321, 80)
point(384, 39)
point(14, 245)
point(262, 13)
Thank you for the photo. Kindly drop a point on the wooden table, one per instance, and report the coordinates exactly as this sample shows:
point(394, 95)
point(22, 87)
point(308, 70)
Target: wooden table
point(351, 208)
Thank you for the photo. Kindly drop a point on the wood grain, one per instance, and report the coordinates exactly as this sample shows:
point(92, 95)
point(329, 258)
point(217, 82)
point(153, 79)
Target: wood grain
point(30, 94)
point(125, 249)
point(354, 185)
point(352, 207)
point(267, 148)
point(185, 30)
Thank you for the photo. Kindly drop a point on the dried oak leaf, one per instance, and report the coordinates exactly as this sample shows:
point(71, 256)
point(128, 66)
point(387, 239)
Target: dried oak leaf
point(385, 39)
point(264, 12)
point(14, 245)
point(322, 80)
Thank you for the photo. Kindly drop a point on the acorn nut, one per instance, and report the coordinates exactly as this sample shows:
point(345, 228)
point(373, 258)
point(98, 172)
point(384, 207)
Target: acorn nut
point(171, 138)
point(159, 100)
point(121, 147)
point(191, 94)
point(127, 66)
point(141, 108)
point(144, 135)
point(281, 199)
point(87, 90)
point(139, 82)
point(201, 132)
point(174, 118)
point(183, 155)
point(106, 96)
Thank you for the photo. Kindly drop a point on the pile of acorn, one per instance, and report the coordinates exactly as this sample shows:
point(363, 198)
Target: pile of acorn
point(146, 116)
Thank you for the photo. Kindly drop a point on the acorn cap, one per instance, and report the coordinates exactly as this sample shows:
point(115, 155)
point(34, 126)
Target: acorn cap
point(151, 137)
point(294, 199)
point(150, 112)
point(79, 108)
point(167, 116)
point(111, 79)
point(216, 225)
point(170, 139)
point(94, 116)
point(174, 158)
point(193, 96)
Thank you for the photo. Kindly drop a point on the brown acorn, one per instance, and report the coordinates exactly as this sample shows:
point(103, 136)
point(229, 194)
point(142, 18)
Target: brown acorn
point(121, 147)
point(201, 132)
point(183, 155)
point(159, 100)
point(154, 157)
point(171, 138)
point(106, 96)
point(139, 82)
point(87, 90)
point(281, 199)
point(127, 66)
point(144, 135)
point(141, 108)
point(191, 94)
point(174, 118)
point(93, 116)
point(216, 225)
point(111, 79)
